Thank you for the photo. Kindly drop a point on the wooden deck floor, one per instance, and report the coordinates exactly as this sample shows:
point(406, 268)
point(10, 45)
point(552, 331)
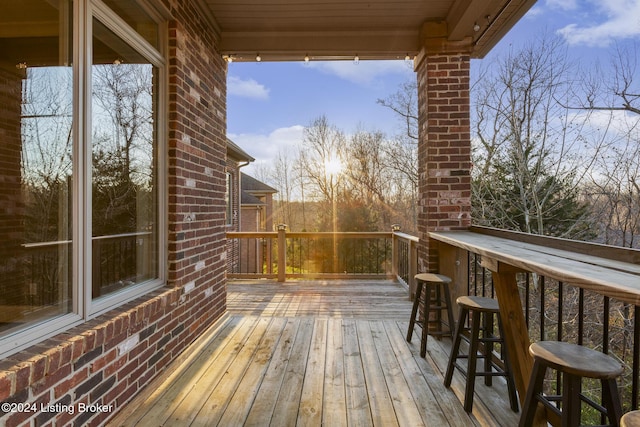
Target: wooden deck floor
point(313, 353)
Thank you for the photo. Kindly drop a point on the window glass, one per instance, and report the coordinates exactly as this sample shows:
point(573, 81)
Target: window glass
point(137, 17)
point(36, 162)
point(124, 178)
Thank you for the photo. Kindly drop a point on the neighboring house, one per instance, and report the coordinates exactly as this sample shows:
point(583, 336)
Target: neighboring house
point(236, 159)
point(256, 215)
point(257, 204)
point(115, 171)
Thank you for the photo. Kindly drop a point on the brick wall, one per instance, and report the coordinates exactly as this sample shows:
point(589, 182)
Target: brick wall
point(107, 360)
point(444, 149)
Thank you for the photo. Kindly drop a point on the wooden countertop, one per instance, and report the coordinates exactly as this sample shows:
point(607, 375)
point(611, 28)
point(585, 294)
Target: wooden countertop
point(616, 279)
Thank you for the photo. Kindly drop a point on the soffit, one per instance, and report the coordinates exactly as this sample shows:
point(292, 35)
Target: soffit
point(372, 29)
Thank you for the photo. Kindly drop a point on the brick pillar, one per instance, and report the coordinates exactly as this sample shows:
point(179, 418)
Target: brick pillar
point(444, 148)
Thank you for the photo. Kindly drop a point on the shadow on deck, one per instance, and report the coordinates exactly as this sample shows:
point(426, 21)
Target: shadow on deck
point(329, 353)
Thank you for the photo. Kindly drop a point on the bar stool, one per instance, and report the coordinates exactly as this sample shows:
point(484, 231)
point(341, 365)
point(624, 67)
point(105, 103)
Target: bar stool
point(630, 419)
point(482, 311)
point(436, 288)
point(574, 362)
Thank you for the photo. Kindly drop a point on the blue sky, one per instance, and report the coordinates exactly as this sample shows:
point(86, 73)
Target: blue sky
point(268, 104)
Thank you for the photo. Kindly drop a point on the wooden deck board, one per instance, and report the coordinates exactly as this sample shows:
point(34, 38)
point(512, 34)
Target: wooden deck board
point(314, 353)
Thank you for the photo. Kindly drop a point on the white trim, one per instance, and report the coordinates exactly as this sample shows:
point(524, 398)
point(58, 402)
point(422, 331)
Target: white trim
point(83, 160)
point(121, 29)
point(130, 36)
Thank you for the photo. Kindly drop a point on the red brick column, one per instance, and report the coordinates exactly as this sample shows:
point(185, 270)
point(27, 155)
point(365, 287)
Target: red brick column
point(444, 148)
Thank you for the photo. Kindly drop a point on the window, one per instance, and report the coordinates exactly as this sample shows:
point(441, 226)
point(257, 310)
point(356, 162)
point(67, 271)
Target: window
point(124, 181)
point(60, 265)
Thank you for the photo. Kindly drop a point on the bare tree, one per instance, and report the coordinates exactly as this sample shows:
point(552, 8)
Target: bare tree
point(401, 153)
point(529, 151)
point(614, 92)
point(616, 89)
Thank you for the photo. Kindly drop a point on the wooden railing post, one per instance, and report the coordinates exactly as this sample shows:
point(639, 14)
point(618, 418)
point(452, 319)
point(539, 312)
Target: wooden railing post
point(413, 267)
point(282, 252)
point(395, 248)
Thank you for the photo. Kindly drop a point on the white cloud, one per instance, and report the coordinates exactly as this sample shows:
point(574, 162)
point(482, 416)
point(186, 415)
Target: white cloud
point(534, 12)
point(246, 88)
point(563, 4)
point(265, 147)
point(620, 20)
point(364, 72)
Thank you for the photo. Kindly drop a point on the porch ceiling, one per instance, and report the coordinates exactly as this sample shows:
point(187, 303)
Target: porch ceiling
point(372, 29)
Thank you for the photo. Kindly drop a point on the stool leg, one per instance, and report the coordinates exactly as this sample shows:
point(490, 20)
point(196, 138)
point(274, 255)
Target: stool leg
point(457, 337)
point(531, 400)
point(472, 365)
point(425, 319)
point(447, 300)
point(511, 384)
point(571, 387)
point(437, 290)
point(487, 332)
point(611, 401)
point(414, 311)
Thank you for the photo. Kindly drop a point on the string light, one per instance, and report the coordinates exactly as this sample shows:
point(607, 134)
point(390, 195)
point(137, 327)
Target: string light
point(258, 57)
point(356, 60)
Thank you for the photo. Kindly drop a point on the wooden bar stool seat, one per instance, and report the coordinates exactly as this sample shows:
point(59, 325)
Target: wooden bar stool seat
point(574, 362)
point(630, 419)
point(483, 310)
point(437, 299)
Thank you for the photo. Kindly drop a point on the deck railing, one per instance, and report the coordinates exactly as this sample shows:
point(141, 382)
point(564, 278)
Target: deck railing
point(281, 255)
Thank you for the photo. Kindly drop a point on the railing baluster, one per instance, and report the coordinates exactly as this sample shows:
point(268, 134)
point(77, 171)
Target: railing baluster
point(580, 316)
point(527, 293)
point(605, 326)
point(636, 358)
point(541, 286)
point(560, 309)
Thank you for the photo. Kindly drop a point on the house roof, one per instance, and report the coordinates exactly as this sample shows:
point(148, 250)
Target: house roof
point(236, 153)
point(247, 199)
point(252, 186)
point(371, 29)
